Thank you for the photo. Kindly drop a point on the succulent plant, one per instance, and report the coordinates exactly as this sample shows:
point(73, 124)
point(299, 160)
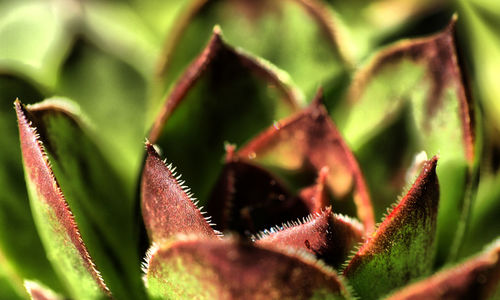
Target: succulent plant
point(292, 188)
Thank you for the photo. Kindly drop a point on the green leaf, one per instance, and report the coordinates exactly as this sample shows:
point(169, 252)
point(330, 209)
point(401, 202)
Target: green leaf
point(229, 269)
point(296, 36)
point(22, 247)
point(168, 207)
point(402, 247)
point(35, 39)
point(475, 278)
point(310, 139)
point(54, 219)
point(224, 95)
point(418, 85)
point(104, 211)
point(112, 94)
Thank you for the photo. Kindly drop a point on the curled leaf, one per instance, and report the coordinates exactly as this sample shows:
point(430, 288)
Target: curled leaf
point(476, 278)
point(54, 218)
point(229, 269)
point(168, 207)
point(311, 138)
point(327, 236)
point(402, 247)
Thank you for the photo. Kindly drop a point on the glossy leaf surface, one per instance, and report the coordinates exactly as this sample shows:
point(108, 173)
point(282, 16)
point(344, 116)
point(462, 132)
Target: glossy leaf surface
point(207, 270)
point(310, 139)
point(402, 247)
point(54, 219)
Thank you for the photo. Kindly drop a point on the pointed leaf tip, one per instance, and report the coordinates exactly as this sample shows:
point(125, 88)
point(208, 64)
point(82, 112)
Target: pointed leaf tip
point(54, 218)
point(310, 138)
point(327, 236)
point(167, 206)
point(231, 269)
point(402, 247)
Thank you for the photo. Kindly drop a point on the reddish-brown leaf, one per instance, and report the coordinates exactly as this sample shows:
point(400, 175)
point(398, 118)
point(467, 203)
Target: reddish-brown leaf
point(167, 206)
point(59, 231)
point(330, 237)
point(402, 247)
point(311, 138)
point(38, 292)
point(247, 198)
point(229, 269)
point(476, 278)
point(316, 196)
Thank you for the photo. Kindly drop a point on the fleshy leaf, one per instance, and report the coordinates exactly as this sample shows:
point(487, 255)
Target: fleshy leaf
point(39, 292)
point(54, 219)
point(278, 31)
point(402, 247)
point(167, 205)
point(223, 95)
point(476, 278)
point(247, 198)
point(411, 97)
point(94, 191)
point(329, 237)
point(229, 269)
point(311, 138)
point(22, 248)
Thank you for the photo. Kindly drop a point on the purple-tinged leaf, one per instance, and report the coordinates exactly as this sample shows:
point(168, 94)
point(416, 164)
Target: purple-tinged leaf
point(39, 292)
point(316, 196)
point(54, 218)
point(230, 269)
point(168, 207)
point(247, 198)
point(476, 278)
point(328, 236)
point(402, 247)
point(311, 138)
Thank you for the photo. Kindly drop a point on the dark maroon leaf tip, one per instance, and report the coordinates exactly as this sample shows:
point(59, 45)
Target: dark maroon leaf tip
point(168, 207)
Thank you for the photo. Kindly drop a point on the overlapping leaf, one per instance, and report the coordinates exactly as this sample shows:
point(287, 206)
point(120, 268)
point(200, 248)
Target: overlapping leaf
point(402, 247)
point(224, 95)
point(230, 269)
point(412, 97)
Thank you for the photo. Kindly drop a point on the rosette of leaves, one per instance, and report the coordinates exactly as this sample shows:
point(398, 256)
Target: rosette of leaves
point(292, 199)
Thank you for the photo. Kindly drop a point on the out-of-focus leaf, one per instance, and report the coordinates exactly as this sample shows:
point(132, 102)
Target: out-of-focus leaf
point(103, 210)
point(35, 37)
point(247, 198)
point(291, 34)
point(328, 236)
point(316, 196)
point(54, 219)
point(224, 95)
point(310, 139)
point(167, 205)
point(126, 35)
point(476, 278)
point(11, 284)
point(21, 247)
point(420, 81)
point(39, 292)
point(112, 94)
point(402, 247)
point(230, 269)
